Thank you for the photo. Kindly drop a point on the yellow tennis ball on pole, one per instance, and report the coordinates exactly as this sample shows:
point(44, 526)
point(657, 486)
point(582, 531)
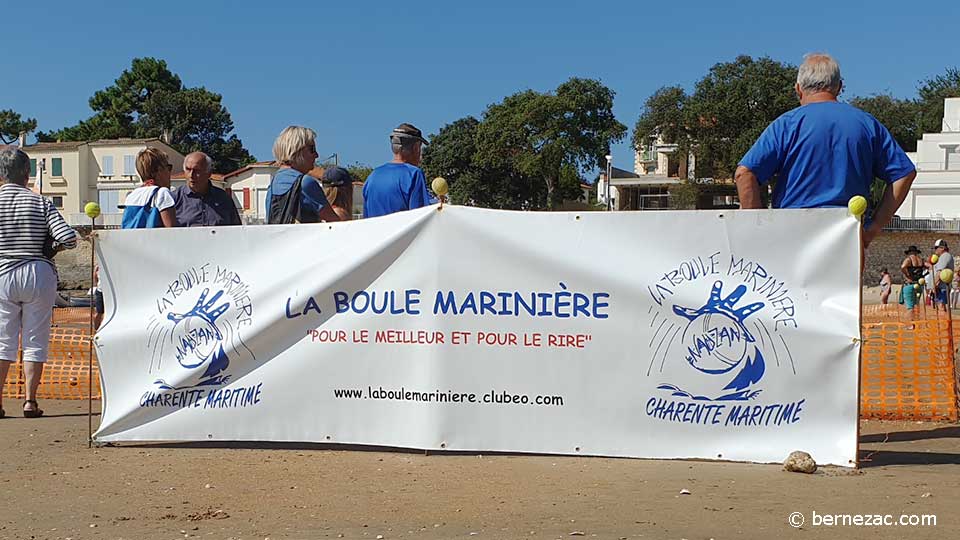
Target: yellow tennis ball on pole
point(440, 186)
point(921, 281)
point(934, 259)
point(857, 206)
point(92, 210)
point(946, 275)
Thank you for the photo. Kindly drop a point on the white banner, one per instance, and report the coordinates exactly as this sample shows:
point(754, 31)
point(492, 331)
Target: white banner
point(711, 334)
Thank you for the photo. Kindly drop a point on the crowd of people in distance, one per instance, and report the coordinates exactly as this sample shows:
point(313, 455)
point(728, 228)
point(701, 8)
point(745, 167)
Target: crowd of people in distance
point(923, 279)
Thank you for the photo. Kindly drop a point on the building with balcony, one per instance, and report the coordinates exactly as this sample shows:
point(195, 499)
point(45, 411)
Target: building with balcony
point(935, 193)
point(74, 173)
point(665, 178)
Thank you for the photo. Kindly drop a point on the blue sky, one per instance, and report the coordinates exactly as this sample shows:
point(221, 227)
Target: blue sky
point(354, 70)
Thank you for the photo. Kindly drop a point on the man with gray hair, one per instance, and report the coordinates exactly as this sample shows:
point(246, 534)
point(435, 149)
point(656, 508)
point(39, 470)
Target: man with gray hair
point(398, 185)
point(28, 278)
point(199, 203)
point(824, 152)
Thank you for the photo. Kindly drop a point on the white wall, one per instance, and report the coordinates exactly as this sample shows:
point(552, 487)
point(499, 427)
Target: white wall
point(936, 190)
point(257, 180)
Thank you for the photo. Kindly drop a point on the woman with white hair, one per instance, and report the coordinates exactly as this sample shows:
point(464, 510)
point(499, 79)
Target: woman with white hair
point(294, 196)
point(31, 230)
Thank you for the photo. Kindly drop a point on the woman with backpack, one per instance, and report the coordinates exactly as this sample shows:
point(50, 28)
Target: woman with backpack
point(151, 205)
point(294, 196)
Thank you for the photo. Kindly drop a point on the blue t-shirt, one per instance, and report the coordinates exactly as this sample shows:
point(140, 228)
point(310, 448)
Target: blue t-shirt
point(824, 153)
point(394, 187)
point(311, 194)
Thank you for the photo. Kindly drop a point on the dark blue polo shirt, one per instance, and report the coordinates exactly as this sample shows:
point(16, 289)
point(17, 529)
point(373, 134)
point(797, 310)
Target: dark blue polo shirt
point(216, 208)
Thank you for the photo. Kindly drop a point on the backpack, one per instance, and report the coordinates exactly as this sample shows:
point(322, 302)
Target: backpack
point(285, 209)
point(142, 217)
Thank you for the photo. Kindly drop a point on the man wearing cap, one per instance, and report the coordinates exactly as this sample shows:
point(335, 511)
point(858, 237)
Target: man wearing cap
point(825, 152)
point(398, 185)
point(199, 203)
point(941, 290)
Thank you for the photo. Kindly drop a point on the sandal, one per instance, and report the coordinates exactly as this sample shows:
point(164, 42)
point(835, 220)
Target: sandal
point(37, 412)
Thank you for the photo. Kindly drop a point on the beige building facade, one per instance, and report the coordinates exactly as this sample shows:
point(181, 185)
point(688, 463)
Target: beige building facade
point(72, 174)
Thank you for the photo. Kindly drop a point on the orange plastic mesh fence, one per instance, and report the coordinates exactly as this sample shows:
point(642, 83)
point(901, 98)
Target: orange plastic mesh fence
point(908, 368)
point(66, 373)
point(74, 317)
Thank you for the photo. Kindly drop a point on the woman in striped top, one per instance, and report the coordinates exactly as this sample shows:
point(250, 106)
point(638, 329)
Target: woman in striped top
point(28, 278)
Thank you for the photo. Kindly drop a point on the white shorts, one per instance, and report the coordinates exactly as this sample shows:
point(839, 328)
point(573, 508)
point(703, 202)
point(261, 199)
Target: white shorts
point(27, 294)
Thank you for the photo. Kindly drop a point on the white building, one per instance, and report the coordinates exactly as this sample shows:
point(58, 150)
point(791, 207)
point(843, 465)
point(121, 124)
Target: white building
point(248, 186)
point(936, 191)
point(660, 170)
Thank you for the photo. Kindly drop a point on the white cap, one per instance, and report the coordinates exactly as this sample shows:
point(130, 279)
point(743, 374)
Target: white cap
point(940, 243)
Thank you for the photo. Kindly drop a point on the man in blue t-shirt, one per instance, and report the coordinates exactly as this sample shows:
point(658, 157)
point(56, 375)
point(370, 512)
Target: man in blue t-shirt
point(398, 185)
point(825, 152)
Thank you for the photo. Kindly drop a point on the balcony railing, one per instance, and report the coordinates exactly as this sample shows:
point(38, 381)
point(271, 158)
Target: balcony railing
point(106, 220)
point(648, 155)
point(940, 166)
point(924, 224)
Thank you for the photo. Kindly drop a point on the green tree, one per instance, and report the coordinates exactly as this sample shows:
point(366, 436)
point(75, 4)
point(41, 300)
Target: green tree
point(901, 116)
point(542, 135)
point(148, 100)
point(728, 109)
point(662, 115)
point(12, 124)
point(359, 171)
point(732, 105)
point(193, 119)
point(452, 154)
point(932, 93)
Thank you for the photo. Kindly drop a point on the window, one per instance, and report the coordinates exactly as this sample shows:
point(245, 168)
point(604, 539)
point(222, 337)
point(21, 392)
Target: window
point(57, 201)
point(33, 168)
point(107, 168)
point(129, 165)
point(109, 201)
point(57, 167)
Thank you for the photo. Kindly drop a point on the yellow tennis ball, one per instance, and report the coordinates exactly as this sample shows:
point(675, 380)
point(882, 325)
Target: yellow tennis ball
point(857, 205)
point(92, 210)
point(934, 259)
point(440, 186)
point(946, 275)
point(921, 281)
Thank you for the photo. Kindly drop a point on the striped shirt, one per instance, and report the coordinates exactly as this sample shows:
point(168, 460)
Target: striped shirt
point(26, 220)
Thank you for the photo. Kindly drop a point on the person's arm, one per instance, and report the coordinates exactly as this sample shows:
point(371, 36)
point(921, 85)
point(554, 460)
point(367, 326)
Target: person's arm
point(892, 165)
point(169, 217)
point(342, 213)
point(759, 164)
point(748, 188)
point(312, 194)
point(327, 214)
point(167, 207)
point(893, 197)
point(62, 234)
